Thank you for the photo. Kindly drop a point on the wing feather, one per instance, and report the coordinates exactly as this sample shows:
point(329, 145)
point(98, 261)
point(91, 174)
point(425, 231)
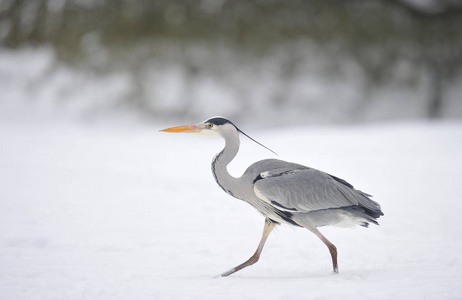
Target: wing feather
point(305, 190)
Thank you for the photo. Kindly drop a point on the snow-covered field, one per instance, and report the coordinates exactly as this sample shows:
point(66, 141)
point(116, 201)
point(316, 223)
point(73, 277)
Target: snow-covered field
point(93, 212)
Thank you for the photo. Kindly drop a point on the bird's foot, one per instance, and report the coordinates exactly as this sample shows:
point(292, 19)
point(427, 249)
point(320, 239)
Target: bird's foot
point(227, 273)
point(335, 270)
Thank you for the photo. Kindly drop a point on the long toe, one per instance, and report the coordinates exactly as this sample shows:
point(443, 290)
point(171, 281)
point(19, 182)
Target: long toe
point(229, 272)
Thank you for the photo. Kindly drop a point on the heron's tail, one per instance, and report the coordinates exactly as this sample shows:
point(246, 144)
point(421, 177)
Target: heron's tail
point(369, 216)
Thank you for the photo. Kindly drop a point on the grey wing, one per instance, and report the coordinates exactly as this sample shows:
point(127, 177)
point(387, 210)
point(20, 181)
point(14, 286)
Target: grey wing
point(305, 190)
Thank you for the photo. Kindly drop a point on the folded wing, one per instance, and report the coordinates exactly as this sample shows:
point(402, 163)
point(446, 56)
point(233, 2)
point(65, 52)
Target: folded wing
point(305, 190)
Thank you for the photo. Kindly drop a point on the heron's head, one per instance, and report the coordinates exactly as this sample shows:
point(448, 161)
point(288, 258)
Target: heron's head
point(218, 126)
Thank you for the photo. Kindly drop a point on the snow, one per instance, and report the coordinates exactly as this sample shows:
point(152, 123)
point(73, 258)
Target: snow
point(126, 212)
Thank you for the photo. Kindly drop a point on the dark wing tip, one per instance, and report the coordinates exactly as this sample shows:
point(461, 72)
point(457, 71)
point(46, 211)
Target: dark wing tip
point(342, 181)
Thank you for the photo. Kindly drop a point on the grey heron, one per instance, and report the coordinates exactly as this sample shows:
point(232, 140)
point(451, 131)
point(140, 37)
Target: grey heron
point(285, 192)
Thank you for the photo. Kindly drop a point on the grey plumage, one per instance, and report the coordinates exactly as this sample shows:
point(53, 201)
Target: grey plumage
point(285, 192)
point(302, 189)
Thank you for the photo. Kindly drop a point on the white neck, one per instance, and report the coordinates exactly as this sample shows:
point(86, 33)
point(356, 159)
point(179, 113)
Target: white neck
point(221, 161)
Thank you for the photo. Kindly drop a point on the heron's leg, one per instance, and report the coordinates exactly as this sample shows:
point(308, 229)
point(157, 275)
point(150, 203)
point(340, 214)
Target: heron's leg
point(332, 248)
point(269, 226)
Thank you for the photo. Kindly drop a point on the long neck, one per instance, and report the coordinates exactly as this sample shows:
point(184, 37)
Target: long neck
point(220, 165)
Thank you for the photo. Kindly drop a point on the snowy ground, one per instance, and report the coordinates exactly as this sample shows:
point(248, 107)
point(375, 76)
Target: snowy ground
point(131, 213)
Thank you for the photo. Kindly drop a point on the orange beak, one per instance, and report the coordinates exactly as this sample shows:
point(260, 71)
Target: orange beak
point(185, 129)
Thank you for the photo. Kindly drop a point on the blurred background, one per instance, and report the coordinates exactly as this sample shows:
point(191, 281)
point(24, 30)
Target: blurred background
point(95, 203)
point(261, 62)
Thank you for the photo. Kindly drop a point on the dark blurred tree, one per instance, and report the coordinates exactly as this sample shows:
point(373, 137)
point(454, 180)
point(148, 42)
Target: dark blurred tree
point(440, 39)
point(378, 35)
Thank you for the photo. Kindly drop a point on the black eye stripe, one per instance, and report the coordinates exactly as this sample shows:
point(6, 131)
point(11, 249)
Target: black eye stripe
point(218, 121)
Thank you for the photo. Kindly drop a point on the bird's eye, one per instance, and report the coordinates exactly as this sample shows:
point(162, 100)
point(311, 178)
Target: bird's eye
point(209, 125)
